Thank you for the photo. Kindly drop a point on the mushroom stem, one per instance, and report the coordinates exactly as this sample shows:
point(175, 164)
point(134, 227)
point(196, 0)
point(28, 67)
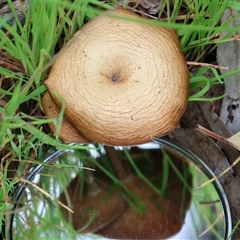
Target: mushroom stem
point(116, 162)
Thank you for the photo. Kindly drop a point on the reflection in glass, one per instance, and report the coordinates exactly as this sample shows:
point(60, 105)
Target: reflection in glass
point(143, 192)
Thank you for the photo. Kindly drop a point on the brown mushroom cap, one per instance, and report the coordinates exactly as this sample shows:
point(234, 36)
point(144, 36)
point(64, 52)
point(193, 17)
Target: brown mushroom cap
point(123, 82)
point(106, 205)
point(164, 216)
point(67, 131)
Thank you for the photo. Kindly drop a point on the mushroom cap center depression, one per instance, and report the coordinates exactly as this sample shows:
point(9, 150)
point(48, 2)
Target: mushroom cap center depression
point(118, 78)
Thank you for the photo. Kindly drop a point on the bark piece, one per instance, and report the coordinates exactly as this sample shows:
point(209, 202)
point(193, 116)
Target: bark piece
point(228, 55)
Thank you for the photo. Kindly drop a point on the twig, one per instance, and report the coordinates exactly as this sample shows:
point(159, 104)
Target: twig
point(221, 174)
point(216, 136)
point(45, 193)
point(206, 65)
point(209, 228)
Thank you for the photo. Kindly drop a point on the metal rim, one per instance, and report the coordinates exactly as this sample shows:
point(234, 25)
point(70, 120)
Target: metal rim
point(217, 185)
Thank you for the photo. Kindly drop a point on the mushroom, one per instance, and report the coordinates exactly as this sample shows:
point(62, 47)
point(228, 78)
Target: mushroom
point(95, 210)
point(98, 206)
point(161, 219)
point(162, 216)
point(122, 82)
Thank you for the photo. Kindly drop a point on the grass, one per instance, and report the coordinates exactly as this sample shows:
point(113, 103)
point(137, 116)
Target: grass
point(50, 24)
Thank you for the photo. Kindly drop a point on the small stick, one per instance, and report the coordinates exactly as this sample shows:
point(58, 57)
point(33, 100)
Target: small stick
point(207, 65)
point(45, 193)
point(221, 174)
point(209, 228)
point(224, 140)
point(216, 136)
